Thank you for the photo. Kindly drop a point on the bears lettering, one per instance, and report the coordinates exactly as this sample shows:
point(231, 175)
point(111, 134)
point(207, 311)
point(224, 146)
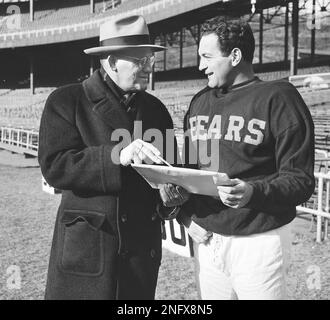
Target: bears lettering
point(199, 129)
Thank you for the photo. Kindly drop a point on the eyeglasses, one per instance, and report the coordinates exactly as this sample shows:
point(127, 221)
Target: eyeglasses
point(150, 60)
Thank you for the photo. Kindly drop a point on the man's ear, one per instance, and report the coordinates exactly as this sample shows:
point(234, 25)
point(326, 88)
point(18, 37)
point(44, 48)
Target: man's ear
point(112, 62)
point(236, 56)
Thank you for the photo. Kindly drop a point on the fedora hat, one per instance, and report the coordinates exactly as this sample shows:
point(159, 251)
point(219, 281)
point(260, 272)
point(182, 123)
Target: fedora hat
point(124, 33)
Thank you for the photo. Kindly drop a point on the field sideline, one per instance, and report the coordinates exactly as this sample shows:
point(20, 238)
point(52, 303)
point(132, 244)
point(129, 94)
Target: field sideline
point(26, 225)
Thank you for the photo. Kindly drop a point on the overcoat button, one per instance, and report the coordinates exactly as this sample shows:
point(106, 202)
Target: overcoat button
point(124, 218)
point(152, 253)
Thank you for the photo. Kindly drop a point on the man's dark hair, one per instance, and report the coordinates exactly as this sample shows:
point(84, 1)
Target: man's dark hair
point(232, 33)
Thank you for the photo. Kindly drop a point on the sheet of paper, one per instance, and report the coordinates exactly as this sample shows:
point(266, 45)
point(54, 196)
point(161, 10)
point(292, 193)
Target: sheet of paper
point(195, 181)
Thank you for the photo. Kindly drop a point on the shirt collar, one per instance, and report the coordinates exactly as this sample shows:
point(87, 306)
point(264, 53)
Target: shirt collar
point(124, 98)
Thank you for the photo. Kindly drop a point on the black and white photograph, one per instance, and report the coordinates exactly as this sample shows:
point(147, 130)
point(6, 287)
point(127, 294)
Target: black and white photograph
point(165, 150)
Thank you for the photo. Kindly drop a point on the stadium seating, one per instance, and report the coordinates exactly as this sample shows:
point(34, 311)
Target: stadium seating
point(50, 14)
point(20, 109)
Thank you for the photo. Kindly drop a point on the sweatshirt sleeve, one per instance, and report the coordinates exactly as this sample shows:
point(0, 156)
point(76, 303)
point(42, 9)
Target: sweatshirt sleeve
point(293, 131)
point(66, 162)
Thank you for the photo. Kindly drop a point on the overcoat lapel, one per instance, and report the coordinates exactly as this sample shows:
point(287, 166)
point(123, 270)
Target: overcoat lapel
point(105, 103)
point(144, 114)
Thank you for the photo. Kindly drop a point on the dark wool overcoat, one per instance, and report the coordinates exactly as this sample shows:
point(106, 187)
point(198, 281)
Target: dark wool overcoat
point(107, 237)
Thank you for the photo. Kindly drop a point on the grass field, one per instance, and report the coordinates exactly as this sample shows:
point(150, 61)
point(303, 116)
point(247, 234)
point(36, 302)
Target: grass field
point(26, 224)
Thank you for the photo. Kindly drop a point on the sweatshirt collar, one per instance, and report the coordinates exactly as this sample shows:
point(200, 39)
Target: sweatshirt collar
point(244, 83)
point(240, 85)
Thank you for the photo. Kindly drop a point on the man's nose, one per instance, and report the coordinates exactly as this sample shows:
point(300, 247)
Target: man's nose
point(202, 65)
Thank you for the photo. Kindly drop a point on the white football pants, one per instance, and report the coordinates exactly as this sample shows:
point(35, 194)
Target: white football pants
point(250, 267)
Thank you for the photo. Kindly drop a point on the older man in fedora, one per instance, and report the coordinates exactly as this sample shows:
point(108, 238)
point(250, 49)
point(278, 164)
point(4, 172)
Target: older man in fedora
point(107, 238)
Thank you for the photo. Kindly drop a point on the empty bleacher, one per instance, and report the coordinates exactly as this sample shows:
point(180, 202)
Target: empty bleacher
point(321, 118)
point(20, 109)
point(48, 13)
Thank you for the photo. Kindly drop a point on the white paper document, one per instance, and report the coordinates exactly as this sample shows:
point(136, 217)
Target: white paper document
point(193, 180)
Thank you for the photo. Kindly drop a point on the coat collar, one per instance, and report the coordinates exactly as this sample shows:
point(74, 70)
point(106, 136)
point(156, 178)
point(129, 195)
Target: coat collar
point(107, 107)
point(105, 102)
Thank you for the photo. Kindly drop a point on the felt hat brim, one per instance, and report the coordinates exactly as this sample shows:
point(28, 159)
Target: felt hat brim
point(108, 49)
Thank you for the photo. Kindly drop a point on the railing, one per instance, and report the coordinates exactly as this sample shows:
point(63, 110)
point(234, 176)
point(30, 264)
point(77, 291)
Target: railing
point(19, 140)
point(320, 208)
point(314, 81)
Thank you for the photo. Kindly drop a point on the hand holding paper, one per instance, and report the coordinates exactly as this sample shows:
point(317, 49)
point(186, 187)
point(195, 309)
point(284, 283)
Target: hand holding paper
point(172, 195)
point(236, 195)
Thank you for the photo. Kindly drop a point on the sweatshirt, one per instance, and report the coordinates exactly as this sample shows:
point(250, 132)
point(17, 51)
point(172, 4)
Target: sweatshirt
point(261, 133)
